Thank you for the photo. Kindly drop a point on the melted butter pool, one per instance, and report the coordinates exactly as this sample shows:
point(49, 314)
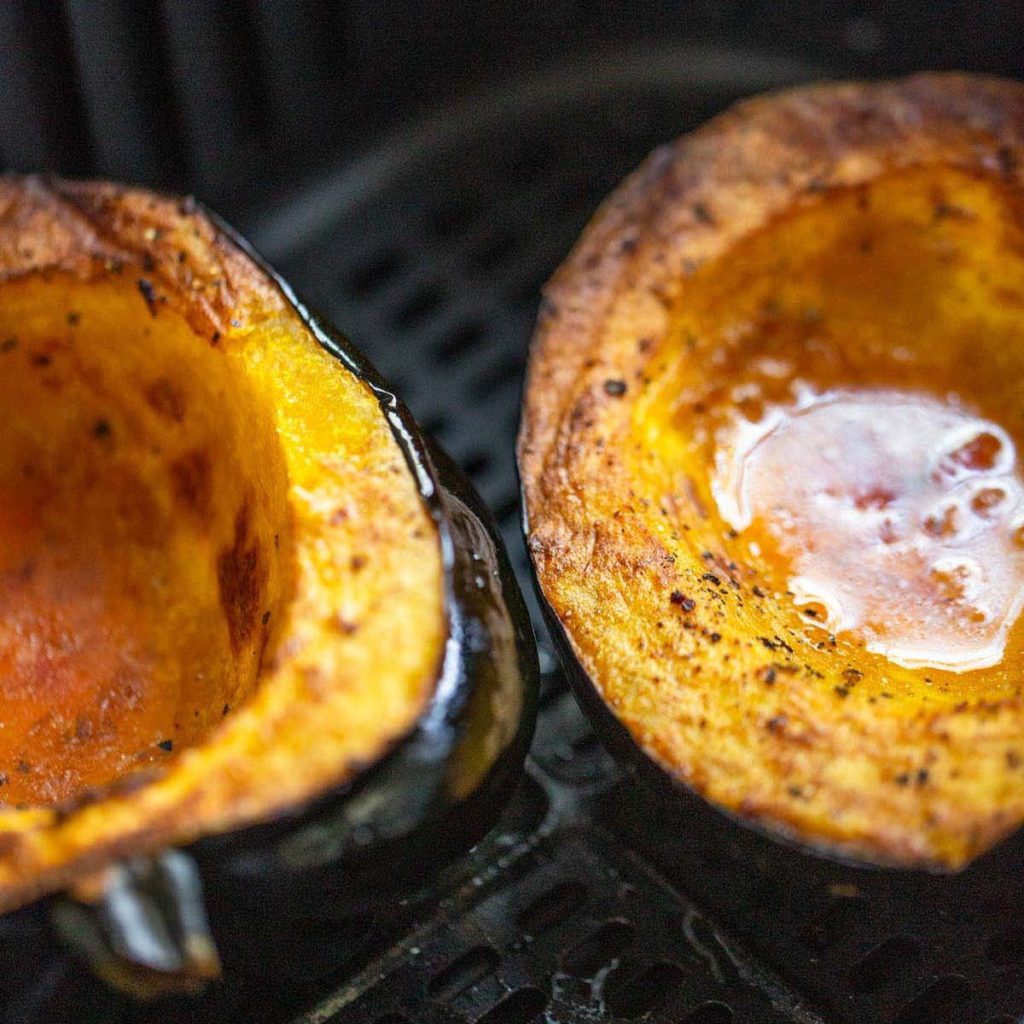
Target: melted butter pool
point(899, 517)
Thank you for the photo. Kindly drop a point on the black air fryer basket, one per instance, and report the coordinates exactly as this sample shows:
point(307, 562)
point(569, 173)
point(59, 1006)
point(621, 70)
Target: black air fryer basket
point(417, 171)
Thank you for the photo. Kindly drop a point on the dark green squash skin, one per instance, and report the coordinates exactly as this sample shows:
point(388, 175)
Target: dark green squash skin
point(287, 901)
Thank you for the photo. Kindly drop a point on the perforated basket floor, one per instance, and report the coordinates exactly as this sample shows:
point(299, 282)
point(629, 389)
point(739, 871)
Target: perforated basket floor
point(585, 905)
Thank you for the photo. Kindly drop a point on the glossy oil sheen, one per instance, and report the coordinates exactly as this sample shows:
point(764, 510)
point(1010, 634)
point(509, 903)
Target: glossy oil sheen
point(896, 515)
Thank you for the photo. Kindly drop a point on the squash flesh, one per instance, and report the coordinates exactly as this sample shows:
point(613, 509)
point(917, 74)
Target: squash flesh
point(126, 462)
point(312, 516)
point(870, 238)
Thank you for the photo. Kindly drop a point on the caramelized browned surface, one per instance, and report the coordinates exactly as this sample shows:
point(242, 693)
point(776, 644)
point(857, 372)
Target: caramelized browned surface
point(854, 240)
point(127, 617)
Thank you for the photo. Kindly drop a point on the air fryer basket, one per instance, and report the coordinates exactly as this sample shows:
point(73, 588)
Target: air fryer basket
point(588, 903)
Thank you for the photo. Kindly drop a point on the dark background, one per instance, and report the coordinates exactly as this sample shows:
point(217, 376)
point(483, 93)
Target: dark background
point(239, 100)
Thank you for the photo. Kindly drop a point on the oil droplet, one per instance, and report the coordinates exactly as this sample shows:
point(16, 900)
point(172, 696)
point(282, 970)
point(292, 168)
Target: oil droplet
point(899, 517)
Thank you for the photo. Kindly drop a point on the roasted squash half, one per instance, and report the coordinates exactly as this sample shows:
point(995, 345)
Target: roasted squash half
point(240, 601)
point(770, 465)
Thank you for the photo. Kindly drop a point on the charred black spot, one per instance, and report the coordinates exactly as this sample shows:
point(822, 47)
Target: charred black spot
point(73, 318)
point(101, 429)
point(148, 293)
point(615, 388)
point(1007, 160)
point(193, 482)
point(241, 576)
point(702, 213)
point(164, 397)
point(167, 745)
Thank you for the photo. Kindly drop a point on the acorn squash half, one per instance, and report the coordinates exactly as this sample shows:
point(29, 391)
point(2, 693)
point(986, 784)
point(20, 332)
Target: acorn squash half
point(769, 462)
point(243, 609)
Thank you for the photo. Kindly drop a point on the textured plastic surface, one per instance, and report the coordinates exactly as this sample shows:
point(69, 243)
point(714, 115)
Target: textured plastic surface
point(589, 903)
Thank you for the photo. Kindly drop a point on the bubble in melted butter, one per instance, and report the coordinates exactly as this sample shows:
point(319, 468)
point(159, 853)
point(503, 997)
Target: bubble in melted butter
point(900, 518)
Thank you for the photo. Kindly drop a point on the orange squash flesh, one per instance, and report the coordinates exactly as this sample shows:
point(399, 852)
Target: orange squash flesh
point(221, 593)
point(133, 583)
point(857, 243)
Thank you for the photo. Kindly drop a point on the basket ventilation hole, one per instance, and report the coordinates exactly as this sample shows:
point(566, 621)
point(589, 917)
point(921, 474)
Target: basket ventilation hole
point(418, 307)
point(896, 957)
point(519, 1007)
point(842, 917)
point(459, 341)
point(375, 273)
point(507, 509)
point(586, 958)
point(578, 197)
point(532, 159)
point(551, 907)
point(495, 250)
point(434, 424)
point(710, 1013)
point(461, 975)
point(476, 463)
point(454, 219)
point(1007, 947)
point(640, 993)
point(940, 1003)
point(495, 377)
point(525, 294)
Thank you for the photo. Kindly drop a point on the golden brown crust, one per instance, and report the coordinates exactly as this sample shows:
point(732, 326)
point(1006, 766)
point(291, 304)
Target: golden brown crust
point(602, 563)
point(352, 653)
point(93, 228)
